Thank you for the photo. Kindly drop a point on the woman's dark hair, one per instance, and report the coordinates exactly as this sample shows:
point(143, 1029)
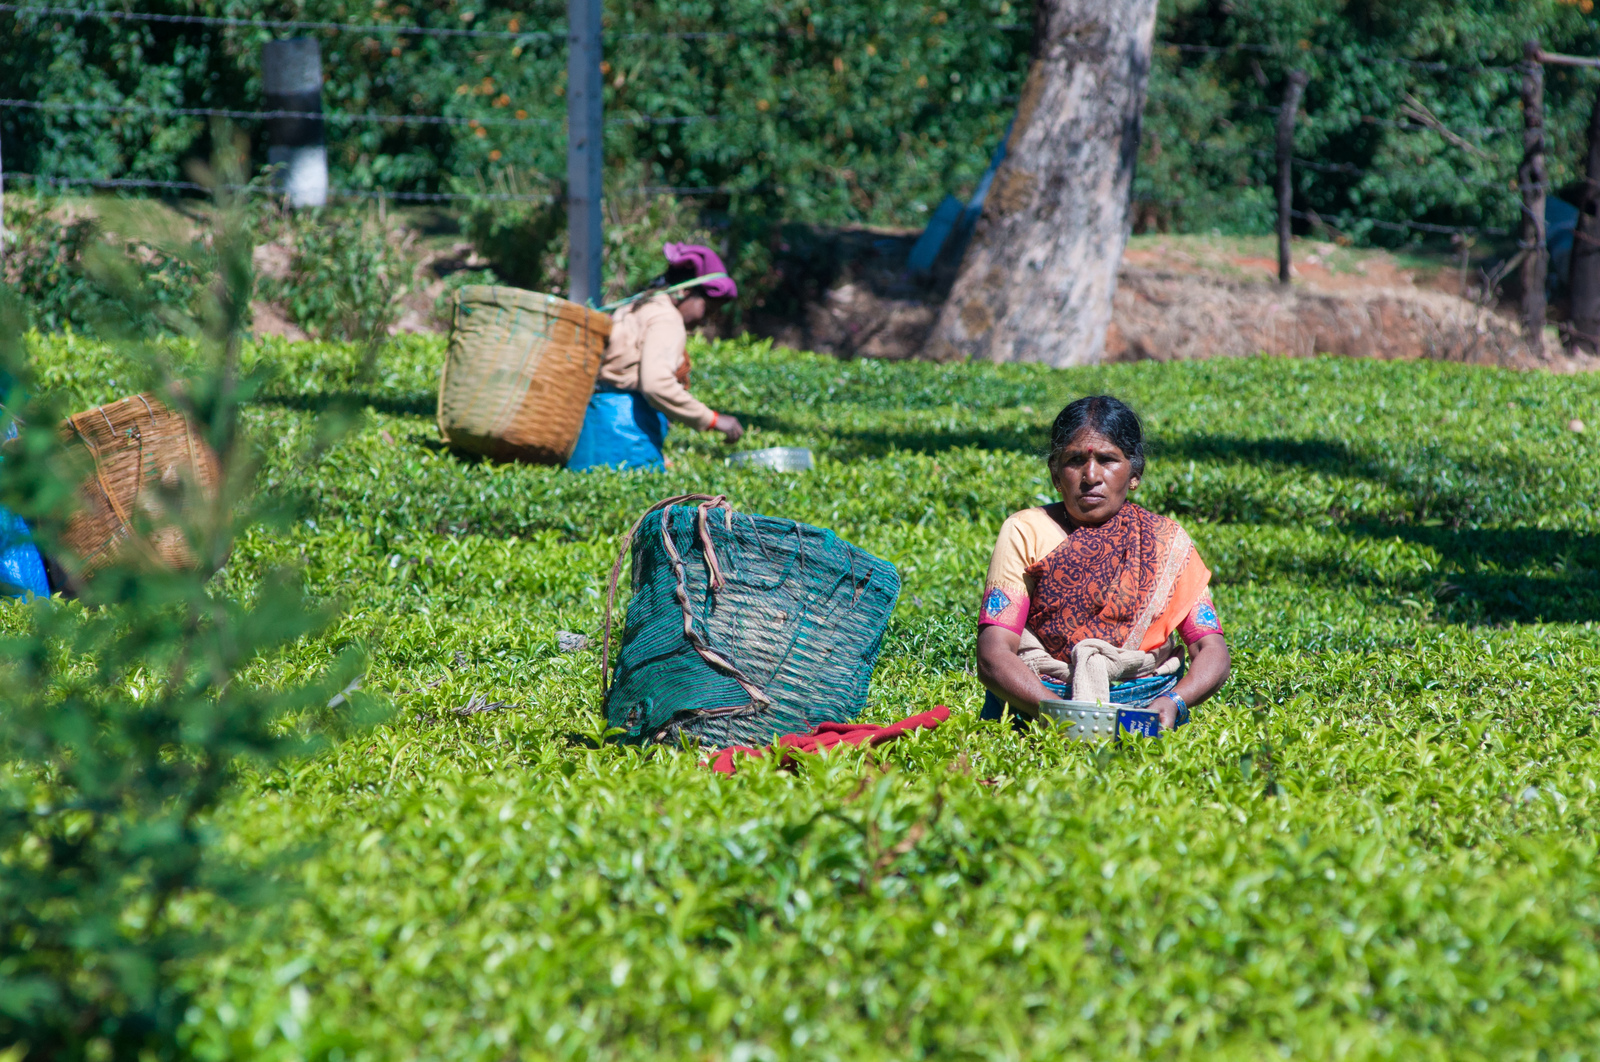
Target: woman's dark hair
point(1110, 417)
point(677, 275)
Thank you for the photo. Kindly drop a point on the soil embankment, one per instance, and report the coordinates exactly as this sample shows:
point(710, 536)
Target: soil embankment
point(849, 293)
point(1183, 298)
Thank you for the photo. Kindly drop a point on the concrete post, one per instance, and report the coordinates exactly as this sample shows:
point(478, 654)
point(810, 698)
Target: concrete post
point(291, 73)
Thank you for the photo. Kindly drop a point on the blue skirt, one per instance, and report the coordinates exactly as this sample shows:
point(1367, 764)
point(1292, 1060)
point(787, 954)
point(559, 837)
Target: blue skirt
point(620, 430)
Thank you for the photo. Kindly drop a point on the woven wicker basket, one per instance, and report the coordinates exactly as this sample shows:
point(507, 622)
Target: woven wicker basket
point(519, 374)
point(139, 447)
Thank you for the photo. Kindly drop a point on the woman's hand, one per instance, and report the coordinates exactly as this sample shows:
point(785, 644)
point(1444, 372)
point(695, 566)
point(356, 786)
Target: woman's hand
point(1208, 671)
point(1167, 709)
point(729, 426)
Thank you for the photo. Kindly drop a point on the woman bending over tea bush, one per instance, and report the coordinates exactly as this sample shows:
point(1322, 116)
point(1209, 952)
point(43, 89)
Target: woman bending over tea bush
point(643, 385)
point(1091, 595)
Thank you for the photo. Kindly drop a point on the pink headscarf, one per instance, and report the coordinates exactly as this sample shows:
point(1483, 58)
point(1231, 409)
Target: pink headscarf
point(702, 260)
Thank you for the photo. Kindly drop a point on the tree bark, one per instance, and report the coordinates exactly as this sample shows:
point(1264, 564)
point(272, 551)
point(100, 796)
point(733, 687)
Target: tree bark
point(1585, 281)
point(1038, 275)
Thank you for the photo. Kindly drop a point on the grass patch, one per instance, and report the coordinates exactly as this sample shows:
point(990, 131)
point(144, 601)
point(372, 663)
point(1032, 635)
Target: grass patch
point(1378, 841)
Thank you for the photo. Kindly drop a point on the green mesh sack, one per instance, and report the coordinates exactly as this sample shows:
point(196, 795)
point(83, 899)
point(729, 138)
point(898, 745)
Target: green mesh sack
point(742, 628)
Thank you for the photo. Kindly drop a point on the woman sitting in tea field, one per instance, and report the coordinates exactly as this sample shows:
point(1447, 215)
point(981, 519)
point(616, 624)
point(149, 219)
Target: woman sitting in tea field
point(1091, 595)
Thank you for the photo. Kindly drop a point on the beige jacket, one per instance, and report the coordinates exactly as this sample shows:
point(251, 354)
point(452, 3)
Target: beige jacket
point(649, 352)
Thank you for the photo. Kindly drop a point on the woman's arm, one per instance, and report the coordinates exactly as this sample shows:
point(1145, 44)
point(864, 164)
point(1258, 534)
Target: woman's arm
point(1003, 673)
point(660, 356)
point(1206, 674)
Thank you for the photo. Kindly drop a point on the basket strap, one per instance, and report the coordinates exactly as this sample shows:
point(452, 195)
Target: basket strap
point(194, 458)
point(680, 590)
point(444, 372)
point(695, 282)
point(707, 502)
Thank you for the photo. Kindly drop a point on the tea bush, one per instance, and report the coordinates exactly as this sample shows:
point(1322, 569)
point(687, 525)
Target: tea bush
point(49, 261)
point(1378, 841)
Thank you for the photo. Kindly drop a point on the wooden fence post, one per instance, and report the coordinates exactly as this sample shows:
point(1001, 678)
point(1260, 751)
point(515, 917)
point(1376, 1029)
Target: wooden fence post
point(1286, 111)
point(585, 133)
point(1532, 179)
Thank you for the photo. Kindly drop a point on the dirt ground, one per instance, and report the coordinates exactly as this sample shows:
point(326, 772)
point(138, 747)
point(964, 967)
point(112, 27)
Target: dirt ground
point(1186, 297)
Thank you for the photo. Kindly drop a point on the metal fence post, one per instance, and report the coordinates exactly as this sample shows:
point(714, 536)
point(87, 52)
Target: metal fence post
point(1532, 179)
point(585, 129)
point(291, 74)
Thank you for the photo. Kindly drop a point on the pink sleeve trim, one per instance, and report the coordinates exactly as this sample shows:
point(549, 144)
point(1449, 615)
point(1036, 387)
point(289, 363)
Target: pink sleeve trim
point(1201, 621)
point(1003, 608)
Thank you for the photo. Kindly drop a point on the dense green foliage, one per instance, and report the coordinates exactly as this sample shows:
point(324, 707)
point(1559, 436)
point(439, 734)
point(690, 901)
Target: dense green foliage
point(1377, 842)
point(1208, 139)
point(841, 112)
point(820, 111)
point(123, 718)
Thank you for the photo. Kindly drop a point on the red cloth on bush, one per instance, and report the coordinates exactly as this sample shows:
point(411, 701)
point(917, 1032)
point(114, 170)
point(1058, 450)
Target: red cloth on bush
point(827, 735)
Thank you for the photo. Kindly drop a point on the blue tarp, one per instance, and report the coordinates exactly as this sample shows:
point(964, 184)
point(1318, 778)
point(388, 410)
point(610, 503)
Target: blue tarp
point(926, 250)
point(21, 567)
point(952, 218)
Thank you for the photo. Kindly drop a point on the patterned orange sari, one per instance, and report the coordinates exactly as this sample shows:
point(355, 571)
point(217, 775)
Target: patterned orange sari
point(1130, 582)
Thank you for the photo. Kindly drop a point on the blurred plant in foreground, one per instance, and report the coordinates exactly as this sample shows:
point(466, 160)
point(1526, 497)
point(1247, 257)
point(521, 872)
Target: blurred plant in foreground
point(123, 716)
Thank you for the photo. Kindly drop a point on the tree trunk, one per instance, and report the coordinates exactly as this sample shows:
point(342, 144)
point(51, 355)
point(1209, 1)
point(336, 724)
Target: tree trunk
point(1037, 278)
point(1585, 274)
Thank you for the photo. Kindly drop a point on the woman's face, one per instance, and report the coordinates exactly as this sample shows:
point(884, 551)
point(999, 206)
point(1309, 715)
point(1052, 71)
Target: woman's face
point(1094, 477)
point(695, 308)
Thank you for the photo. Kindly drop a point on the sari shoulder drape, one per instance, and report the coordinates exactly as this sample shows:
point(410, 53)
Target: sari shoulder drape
point(1129, 582)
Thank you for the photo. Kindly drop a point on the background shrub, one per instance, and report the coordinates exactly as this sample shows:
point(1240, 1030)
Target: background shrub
point(347, 273)
point(832, 111)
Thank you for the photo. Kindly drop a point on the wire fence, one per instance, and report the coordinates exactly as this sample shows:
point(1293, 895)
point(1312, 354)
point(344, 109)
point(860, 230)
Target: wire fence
point(446, 32)
point(339, 116)
point(513, 33)
point(1466, 148)
point(113, 183)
